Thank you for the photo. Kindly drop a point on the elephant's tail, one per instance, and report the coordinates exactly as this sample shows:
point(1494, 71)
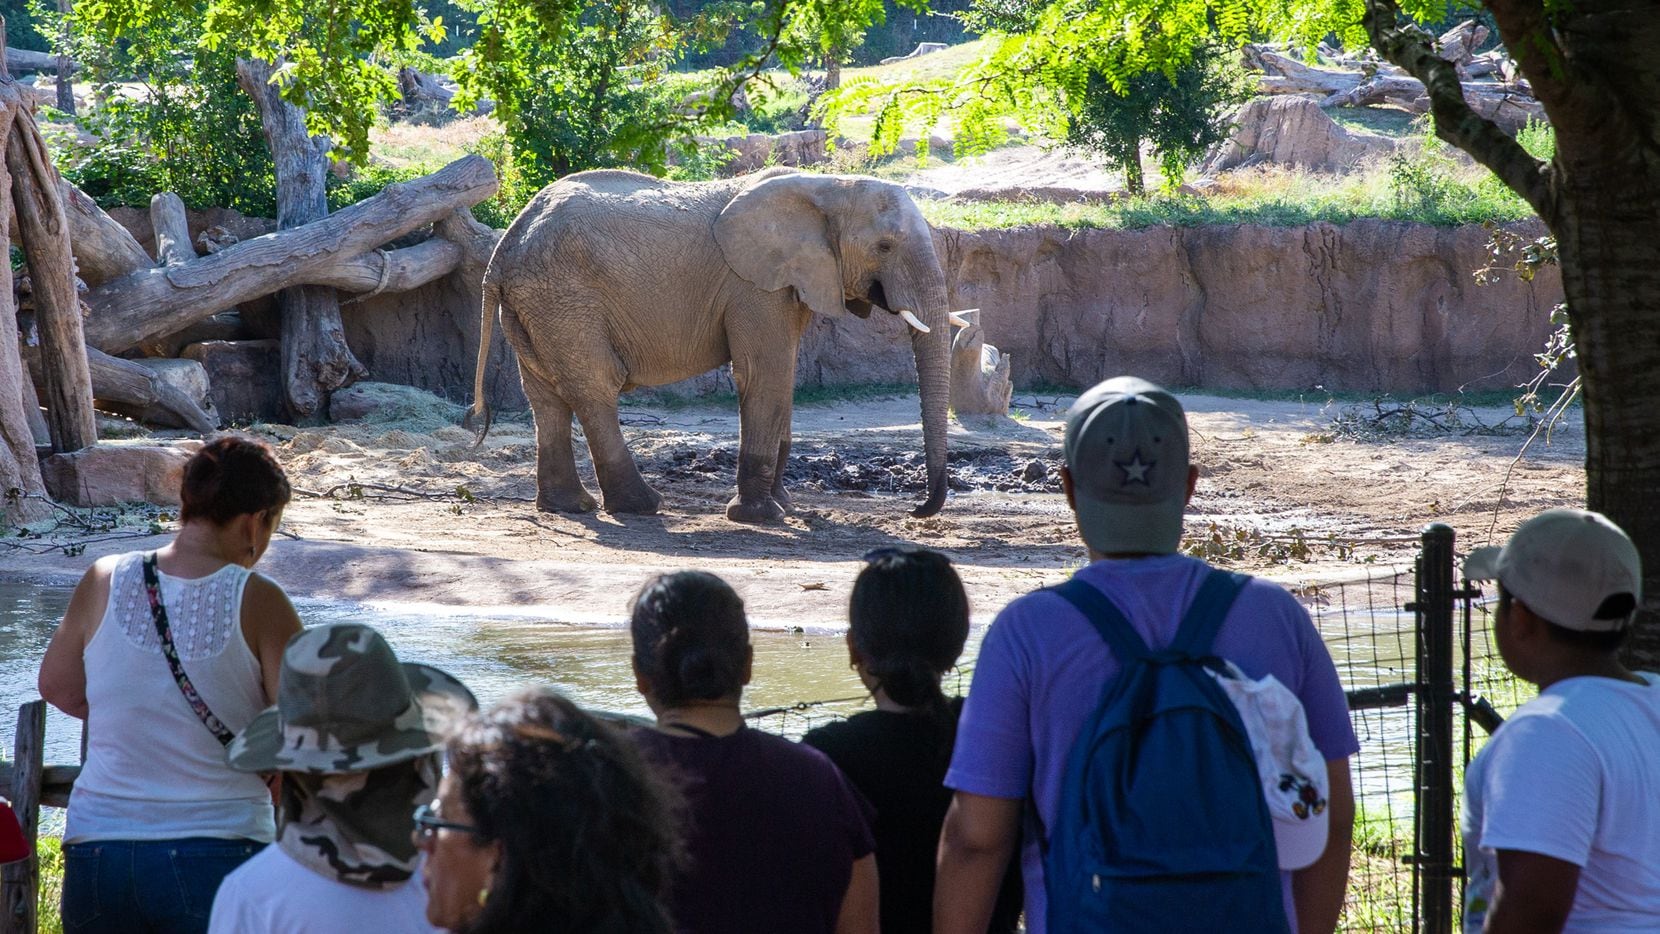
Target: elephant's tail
point(486, 330)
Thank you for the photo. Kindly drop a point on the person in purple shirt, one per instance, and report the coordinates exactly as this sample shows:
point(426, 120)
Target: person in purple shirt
point(777, 840)
point(1042, 667)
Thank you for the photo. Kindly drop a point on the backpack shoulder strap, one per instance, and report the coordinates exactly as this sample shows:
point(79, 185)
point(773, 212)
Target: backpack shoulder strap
point(1126, 644)
point(1205, 614)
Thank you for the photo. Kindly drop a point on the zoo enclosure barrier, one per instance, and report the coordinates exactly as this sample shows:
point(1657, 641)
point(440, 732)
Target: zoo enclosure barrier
point(1418, 679)
point(1418, 676)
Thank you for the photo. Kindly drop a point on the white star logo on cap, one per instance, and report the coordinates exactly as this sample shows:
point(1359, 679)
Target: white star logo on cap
point(1135, 470)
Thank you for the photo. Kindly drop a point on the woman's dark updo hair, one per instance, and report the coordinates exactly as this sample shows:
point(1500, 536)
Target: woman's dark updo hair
point(908, 617)
point(691, 640)
point(229, 477)
point(588, 831)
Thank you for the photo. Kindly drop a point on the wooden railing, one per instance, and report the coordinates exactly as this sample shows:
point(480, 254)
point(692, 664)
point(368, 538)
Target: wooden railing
point(28, 783)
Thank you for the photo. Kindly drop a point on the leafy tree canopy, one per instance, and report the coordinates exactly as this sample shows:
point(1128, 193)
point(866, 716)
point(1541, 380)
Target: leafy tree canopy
point(332, 53)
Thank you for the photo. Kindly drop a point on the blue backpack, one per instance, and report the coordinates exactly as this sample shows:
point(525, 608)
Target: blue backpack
point(1162, 824)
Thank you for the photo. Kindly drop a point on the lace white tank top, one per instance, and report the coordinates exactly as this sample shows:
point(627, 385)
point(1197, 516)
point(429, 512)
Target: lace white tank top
point(153, 771)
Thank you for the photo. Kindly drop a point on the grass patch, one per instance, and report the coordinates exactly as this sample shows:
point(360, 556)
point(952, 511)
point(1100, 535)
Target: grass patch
point(1424, 190)
point(1384, 121)
point(413, 145)
point(942, 64)
point(50, 852)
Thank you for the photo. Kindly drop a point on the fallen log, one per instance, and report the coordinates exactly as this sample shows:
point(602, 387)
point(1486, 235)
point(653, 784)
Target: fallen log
point(103, 249)
point(128, 384)
point(152, 303)
point(21, 60)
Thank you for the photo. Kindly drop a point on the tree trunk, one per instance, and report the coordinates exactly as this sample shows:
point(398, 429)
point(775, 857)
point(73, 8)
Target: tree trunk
point(22, 492)
point(1610, 260)
point(153, 303)
point(315, 358)
point(45, 233)
point(172, 229)
point(66, 69)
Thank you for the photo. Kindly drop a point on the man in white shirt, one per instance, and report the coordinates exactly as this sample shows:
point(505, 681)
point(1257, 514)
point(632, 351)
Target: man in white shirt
point(1561, 814)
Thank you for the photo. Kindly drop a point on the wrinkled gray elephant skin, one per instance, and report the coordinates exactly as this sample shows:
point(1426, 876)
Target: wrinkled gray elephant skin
point(611, 280)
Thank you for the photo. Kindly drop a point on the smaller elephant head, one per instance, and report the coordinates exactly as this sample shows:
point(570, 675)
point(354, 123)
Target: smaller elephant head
point(847, 245)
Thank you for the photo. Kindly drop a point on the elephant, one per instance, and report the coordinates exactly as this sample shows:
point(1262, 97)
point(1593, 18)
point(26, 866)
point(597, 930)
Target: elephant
point(609, 280)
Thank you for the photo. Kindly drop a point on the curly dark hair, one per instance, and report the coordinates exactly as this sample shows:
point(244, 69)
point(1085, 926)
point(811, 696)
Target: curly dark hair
point(691, 640)
point(229, 477)
point(589, 833)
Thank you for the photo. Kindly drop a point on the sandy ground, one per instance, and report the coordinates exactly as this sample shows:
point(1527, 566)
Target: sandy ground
point(407, 511)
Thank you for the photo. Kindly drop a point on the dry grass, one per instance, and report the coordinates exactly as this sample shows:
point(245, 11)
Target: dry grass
point(402, 145)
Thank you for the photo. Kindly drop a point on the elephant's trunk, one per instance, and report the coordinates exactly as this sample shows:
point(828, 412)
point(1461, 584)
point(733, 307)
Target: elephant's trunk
point(933, 371)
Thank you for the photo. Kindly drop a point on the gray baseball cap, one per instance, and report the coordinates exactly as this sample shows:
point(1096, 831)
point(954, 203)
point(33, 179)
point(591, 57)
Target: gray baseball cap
point(1568, 566)
point(346, 704)
point(1126, 447)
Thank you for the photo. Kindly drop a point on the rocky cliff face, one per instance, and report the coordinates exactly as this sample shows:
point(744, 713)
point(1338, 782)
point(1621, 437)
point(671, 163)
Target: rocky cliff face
point(1367, 306)
point(1370, 306)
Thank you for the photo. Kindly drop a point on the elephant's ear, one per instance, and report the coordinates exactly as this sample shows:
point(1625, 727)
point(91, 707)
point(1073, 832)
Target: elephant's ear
point(774, 234)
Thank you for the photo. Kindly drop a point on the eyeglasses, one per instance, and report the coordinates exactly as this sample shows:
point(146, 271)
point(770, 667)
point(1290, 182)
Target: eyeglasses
point(428, 823)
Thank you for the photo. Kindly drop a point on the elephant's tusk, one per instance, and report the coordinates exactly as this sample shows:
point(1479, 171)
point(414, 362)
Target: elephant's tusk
point(913, 320)
point(956, 317)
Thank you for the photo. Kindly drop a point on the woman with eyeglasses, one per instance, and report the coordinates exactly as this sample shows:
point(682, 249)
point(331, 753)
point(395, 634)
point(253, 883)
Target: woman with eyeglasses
point(548, 820)
point(907, 624)
point(777, 839)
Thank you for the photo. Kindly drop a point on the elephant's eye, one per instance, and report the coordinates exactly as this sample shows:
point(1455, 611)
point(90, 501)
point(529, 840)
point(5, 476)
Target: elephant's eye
point(884, 246)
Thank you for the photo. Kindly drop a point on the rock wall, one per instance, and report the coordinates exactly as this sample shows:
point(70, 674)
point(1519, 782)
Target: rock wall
point(1370, 306)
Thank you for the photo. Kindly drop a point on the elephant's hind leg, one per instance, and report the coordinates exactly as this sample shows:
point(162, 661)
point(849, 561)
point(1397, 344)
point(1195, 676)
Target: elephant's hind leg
point(625, 491)
point(558, 488)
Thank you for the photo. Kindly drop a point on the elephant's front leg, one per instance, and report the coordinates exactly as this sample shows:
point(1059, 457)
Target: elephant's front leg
point(765, 396)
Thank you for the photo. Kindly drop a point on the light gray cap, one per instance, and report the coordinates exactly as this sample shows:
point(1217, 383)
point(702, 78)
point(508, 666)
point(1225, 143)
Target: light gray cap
point(1126, 447)
point(1567, 565)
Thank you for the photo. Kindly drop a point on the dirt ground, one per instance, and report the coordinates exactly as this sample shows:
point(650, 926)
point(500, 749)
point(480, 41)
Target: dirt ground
point(408, 511)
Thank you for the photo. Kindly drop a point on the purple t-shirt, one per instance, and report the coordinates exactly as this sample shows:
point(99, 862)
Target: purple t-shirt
point(1042, 668)
point(773, 831)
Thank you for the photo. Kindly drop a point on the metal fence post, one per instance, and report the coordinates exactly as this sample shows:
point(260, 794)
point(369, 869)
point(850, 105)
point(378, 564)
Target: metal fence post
point(1433, 816)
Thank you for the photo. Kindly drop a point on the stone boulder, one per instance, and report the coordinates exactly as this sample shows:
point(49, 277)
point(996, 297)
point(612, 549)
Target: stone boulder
point(245, 377)
point(109, 474)
point(1291, 130)
point(758, 150)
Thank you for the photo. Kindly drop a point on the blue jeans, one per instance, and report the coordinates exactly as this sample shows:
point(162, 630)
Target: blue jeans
point(156, 886)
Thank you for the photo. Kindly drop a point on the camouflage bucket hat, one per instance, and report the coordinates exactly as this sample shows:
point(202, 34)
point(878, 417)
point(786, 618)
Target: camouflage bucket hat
point(346, 704)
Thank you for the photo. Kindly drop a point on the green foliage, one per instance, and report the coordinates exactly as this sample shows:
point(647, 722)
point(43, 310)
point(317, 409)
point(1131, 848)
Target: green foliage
point(370, 180)
point(1181, 113)
point(185, 126)
point(577, 85)
point(331, 52)
point(22, 32)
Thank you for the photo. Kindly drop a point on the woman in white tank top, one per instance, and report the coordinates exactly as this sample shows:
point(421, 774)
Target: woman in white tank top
point(156, 818)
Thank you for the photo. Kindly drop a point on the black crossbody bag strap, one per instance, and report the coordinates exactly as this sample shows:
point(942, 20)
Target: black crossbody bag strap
point(152, 586)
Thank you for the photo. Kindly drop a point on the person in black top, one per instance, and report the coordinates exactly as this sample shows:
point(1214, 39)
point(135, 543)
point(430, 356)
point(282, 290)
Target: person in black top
point(908, 621)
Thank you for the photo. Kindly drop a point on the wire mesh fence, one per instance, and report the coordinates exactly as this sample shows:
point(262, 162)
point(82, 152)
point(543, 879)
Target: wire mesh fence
point(1371, 623)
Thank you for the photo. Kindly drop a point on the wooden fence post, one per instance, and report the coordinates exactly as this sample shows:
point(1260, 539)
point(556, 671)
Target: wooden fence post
point(20, 881)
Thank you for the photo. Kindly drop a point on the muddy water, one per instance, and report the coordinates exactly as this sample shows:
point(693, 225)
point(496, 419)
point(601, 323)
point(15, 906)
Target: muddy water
point(496, 652)
point(492, 653)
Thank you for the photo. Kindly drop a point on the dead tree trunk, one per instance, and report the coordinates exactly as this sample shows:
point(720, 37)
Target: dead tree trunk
point(103, 249)
point(152, 303)
point(66, 69)
point(315, 358)
point(22, 492)
point(172, 230)
point(45, 233)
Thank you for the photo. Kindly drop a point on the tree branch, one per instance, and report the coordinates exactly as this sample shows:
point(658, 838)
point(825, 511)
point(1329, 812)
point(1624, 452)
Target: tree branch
point(1410, 47)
